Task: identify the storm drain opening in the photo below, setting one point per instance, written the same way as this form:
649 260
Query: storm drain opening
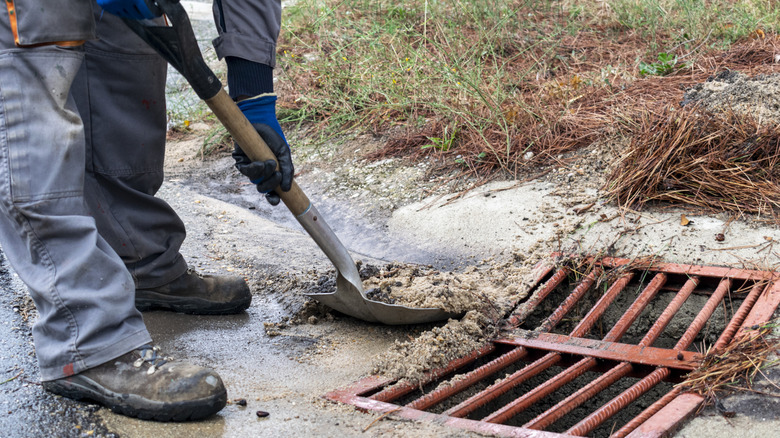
594 353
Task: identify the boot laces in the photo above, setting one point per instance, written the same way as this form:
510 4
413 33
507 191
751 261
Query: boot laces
191 271
150 355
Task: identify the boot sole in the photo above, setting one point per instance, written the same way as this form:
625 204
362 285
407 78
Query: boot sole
147 300
131 405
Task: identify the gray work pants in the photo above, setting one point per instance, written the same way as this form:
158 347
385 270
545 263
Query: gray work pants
82 290
82 137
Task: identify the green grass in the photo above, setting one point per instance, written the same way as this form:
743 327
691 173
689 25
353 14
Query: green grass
483 71
723 22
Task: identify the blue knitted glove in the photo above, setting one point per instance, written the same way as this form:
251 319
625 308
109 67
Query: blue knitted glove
134 9
261 112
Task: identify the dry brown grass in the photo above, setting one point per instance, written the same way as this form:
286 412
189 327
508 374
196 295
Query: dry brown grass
562 114
537 93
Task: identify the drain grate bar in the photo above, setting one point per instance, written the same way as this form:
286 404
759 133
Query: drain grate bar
601 305
635 391
640 354
498 364
500 388
403 388
739 317
523 311
639 305
571 300
623 369
605 412
647 413
693 270
764 308
657 418
671 309
524 402
571 402
704 315
669 417
602 414
534 345
460 423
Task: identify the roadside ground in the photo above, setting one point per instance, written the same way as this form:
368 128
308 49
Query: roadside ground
284 353
284 369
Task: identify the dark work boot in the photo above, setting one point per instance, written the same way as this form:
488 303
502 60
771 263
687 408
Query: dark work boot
145 385
197 294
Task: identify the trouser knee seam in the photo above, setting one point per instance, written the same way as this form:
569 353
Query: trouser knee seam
51 291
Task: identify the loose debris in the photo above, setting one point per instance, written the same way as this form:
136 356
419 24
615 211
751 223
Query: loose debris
735 92
437 347
454 292
694 158
485 295
734 368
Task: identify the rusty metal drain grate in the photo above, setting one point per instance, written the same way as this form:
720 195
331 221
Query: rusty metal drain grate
594 356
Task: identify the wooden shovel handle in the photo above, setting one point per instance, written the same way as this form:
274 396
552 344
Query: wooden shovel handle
245 135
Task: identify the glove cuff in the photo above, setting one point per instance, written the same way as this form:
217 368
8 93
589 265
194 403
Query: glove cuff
248 78
262 109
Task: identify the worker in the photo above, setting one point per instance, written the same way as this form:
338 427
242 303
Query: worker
82 138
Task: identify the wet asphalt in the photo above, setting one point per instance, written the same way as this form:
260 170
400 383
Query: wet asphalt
26 410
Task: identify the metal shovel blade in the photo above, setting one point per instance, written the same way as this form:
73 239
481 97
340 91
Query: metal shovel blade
176 43
349 297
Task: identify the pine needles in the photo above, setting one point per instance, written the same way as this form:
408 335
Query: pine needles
696 159
733 368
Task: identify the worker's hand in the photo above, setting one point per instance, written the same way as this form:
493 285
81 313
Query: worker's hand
134 9
261 112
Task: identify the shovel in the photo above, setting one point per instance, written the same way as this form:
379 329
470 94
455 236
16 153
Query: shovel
177 45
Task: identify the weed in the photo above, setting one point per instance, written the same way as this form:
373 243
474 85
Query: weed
217 139
725 20
443 143
667 64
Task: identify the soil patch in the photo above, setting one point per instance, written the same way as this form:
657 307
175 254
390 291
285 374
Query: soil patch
487 294
730 91
436 347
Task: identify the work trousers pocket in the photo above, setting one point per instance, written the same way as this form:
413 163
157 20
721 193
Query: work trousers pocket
43 135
